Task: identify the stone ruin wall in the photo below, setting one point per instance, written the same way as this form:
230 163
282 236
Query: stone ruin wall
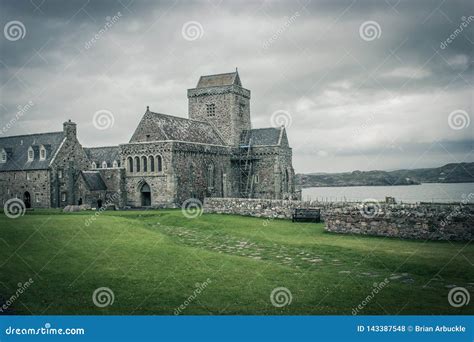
428 221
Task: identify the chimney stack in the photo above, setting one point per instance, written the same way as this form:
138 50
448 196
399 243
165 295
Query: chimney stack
69 129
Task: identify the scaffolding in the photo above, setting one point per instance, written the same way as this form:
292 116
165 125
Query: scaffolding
246 167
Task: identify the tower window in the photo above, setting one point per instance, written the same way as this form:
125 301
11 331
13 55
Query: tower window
4 156
211 109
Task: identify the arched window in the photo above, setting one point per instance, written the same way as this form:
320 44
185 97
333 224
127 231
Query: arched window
286 181
94 165
115 164
210 176
159 161
104 164
31 154
152 163
130 164
145 164
42 153
137 164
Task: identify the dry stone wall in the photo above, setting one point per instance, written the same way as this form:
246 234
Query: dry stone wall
427 221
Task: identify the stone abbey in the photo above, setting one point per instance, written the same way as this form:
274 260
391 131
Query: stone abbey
169 159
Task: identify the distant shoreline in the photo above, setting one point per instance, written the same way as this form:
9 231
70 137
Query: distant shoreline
378 185
453 173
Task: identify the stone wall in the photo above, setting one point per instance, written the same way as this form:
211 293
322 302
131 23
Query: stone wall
410 221
15 184
281 209
419 221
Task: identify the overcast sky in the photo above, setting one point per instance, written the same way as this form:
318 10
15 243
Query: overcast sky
360 84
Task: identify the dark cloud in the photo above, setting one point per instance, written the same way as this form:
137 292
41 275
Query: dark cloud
354 104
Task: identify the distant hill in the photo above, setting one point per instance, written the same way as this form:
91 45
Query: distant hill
449 173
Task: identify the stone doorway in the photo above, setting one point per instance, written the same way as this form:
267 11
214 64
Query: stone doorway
145 193
27 199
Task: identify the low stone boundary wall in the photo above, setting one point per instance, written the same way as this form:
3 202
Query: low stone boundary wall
282 209
411 221
421 221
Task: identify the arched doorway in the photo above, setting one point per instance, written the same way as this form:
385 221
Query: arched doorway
99 203
27 199
145 193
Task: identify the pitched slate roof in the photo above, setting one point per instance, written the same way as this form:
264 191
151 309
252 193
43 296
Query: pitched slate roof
17 150
101 154
261 136
219 80
162 127
93 180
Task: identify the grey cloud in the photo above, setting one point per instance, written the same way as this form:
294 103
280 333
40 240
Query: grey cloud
348 97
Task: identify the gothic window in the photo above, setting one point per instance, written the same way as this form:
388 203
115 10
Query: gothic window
210 176
286 181
130 164
4 156
115 164
104 164
94 165
137 164
145 164
152 163
42 153
211 109
160 163
60 174
31 154
63 197
257 179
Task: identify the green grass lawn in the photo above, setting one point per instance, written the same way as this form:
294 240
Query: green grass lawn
154 260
